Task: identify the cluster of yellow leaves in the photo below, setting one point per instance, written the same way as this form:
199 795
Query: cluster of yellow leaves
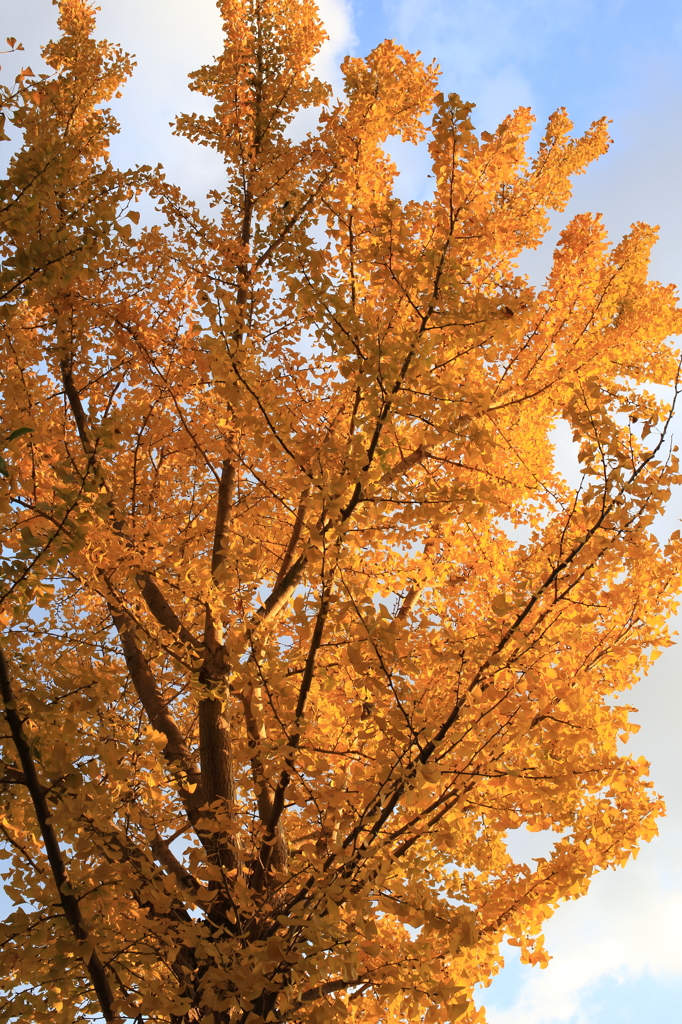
300 617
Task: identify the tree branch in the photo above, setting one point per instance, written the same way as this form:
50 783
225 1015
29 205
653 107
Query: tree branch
255 730
293 740
215 746
223 512
280 593
293 539
417 456
163 612
69 902
13 777
176 750
165 855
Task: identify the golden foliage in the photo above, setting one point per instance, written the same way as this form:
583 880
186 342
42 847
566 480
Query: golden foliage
300 616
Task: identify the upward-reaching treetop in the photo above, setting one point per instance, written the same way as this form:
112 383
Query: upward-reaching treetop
300 617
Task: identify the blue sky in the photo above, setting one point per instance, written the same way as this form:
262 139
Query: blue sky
617 954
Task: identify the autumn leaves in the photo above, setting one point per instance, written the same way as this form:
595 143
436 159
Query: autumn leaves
320 618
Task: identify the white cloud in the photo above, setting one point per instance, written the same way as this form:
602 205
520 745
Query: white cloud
338 22
169 39
336 17
627 927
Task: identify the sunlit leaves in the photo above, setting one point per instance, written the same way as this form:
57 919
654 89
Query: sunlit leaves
301 615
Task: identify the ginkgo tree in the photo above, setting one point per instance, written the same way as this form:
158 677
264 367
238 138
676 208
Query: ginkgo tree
300 617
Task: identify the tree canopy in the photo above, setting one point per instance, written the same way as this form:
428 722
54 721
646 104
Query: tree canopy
300 615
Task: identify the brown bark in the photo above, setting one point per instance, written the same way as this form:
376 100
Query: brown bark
147 690
215 750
